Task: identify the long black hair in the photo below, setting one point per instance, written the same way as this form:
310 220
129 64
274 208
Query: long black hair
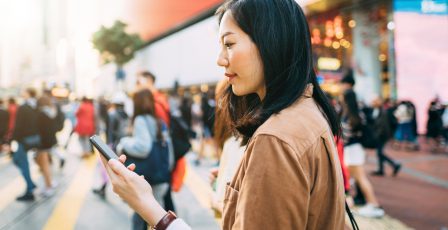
280 31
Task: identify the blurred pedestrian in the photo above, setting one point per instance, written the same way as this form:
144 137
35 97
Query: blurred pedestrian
354 154
404 135
85 125
146 129
48 127
4 123
208 119
435 125
117 118
382 133
25 137
12 111
116 128
290 169
147 80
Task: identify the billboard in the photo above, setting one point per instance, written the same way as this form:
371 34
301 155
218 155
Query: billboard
421 48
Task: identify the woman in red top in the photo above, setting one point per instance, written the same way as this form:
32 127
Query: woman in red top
85 126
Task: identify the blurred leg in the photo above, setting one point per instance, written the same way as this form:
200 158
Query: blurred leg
20 159
43 161
366 187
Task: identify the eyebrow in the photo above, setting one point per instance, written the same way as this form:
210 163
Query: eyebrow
225 34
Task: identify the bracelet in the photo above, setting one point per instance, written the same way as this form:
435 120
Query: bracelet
165 221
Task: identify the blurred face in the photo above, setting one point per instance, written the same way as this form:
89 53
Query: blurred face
143 83
240 58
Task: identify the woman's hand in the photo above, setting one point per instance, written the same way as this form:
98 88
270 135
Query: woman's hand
133 189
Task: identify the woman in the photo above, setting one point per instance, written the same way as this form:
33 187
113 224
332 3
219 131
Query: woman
354 154
289 177
47 131
145 129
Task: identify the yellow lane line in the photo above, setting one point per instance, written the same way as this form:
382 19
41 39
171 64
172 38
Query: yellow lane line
66 212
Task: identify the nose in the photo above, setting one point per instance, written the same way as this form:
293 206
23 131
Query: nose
222 60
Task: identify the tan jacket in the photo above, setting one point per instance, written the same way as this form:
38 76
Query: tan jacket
290 176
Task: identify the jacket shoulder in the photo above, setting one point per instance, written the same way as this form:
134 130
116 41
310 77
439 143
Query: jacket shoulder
299 125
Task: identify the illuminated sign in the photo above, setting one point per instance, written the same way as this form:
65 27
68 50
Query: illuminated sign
326 63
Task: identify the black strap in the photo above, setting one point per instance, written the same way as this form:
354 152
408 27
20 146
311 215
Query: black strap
350 216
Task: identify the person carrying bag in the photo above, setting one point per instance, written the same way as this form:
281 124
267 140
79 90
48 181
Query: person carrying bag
149 148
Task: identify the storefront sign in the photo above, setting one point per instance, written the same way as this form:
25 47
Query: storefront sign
326 63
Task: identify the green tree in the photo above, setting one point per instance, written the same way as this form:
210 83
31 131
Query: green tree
115 45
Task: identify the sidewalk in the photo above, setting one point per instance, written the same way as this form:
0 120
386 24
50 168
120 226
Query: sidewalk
418 196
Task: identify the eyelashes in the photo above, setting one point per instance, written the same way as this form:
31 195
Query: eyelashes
228 45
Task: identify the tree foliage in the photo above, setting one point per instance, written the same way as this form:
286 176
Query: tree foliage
115 45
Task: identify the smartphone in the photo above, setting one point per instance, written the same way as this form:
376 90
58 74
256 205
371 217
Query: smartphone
99 144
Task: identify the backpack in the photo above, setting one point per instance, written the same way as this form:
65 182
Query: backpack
155 167
180 136
368 138
59 120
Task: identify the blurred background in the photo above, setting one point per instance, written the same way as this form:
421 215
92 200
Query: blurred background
396 50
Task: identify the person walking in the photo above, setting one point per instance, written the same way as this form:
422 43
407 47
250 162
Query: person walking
147 80
47 127
85 125
434 125
146 129
382 133
354 154
290 176
25 137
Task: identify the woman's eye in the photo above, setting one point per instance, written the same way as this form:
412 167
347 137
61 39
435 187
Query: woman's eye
228 45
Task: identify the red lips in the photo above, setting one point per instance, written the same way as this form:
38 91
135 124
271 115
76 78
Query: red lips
230 76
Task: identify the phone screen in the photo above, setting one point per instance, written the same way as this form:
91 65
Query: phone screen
103 148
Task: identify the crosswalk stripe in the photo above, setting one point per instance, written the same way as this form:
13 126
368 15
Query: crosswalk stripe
66 212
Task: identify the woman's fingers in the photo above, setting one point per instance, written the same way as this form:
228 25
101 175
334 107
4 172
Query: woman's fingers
131 167
122 158
119 168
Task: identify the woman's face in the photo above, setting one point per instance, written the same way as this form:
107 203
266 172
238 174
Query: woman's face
240 58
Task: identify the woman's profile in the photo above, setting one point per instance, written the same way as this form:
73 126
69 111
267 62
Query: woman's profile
289 176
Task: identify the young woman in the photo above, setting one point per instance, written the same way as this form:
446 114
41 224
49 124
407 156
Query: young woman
290 176
145 129
354 154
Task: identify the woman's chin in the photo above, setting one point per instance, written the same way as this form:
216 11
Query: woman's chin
237 91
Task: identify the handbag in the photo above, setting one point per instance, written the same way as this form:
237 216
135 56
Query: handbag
155 167
32 141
